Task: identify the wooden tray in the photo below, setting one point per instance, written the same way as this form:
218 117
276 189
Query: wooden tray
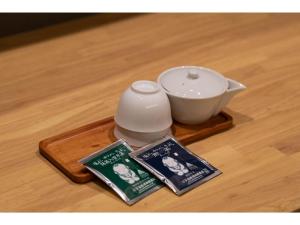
64 150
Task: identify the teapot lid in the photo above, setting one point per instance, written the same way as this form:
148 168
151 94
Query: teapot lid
193 82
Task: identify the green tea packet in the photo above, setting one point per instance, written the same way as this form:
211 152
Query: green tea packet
125 176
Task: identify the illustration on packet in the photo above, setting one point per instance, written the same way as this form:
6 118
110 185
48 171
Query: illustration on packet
173 164
125 176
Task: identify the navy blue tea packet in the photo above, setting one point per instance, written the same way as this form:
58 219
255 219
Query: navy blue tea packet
174 165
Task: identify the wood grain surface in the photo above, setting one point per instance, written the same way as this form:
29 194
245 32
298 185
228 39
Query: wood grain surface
64 82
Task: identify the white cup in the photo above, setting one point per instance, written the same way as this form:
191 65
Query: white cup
143 114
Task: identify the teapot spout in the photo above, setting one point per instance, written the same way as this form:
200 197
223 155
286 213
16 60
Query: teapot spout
234 87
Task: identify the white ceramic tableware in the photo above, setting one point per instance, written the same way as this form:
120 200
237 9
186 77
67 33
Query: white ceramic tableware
143 114
197 93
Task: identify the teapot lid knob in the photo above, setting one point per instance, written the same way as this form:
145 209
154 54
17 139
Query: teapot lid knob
193 74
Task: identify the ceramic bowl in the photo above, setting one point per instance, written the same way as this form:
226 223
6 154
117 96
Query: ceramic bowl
144 112
197 93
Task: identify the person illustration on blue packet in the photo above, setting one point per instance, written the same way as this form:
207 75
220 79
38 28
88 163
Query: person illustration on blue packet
174 166
125 173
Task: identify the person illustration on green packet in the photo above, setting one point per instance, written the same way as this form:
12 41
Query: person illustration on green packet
125 173
125 176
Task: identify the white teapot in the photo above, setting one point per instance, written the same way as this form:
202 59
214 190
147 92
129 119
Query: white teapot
196 93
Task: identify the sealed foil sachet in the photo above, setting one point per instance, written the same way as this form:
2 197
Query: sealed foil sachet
125 176
175 165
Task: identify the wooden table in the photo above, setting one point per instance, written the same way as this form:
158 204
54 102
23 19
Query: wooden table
57 84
